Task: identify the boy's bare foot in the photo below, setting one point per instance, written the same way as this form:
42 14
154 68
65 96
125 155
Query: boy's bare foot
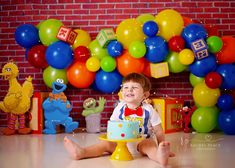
163 153
75 151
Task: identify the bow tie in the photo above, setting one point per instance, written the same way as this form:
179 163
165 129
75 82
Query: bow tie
138 111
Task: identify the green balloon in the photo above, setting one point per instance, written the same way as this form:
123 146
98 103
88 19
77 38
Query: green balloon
108 64
214 43
145 17
137 49
39 24
174 64
194 80
204 119
48 30
51 74
96 50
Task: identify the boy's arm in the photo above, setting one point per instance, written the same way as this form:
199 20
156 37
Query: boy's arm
116 112
159 133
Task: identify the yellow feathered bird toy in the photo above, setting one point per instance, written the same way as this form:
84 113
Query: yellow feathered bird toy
17 101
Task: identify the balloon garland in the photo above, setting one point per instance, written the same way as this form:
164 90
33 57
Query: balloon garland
167 37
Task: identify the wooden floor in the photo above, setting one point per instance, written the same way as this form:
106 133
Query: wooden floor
214 150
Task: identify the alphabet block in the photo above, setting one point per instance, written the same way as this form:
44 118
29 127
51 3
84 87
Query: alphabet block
105 36
200 49
67 35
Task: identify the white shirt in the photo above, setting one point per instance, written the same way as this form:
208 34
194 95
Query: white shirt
150 117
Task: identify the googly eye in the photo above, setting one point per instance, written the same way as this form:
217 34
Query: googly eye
8 69
60 80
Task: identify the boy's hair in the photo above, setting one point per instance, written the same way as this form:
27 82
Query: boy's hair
138 78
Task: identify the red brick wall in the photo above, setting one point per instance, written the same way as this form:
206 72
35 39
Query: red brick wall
92 15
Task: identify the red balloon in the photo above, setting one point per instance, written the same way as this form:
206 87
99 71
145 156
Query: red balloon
79 76
127 64
212 30
227 54
37 56
81 53
233 94
176 43
213 80
146 70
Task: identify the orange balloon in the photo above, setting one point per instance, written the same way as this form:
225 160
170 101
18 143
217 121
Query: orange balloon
79 76
226 54
127 64
187 20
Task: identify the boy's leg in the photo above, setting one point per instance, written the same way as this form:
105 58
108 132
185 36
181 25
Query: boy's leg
159 153
96 150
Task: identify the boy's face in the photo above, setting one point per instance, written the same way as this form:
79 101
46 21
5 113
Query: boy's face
133 92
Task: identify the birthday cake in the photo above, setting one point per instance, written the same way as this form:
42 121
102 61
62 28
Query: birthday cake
122 130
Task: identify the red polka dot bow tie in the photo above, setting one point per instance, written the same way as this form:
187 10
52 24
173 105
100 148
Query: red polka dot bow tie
138 111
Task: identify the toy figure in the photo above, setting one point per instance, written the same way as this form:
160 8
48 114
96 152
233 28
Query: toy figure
92 114
89 106
57 109
17 101
186 114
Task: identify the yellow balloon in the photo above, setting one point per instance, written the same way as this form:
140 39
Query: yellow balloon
186 57
93 64
205 96
170 23
83 38
129 30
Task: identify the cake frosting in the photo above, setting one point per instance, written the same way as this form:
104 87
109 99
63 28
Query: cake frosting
122 130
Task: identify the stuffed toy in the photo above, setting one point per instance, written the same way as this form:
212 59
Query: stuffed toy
17 101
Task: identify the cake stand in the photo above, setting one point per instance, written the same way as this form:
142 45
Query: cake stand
121 151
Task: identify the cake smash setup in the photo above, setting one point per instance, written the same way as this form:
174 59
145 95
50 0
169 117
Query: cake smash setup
122 132
152 45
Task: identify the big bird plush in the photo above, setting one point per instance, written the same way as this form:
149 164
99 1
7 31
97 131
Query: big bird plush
17 101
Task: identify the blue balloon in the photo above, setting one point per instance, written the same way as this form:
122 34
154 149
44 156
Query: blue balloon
93 86
227 71
227 122
108 82
26 53
202 67
115 48
59 55
150 28
26 35
157 49
193 32
225 102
